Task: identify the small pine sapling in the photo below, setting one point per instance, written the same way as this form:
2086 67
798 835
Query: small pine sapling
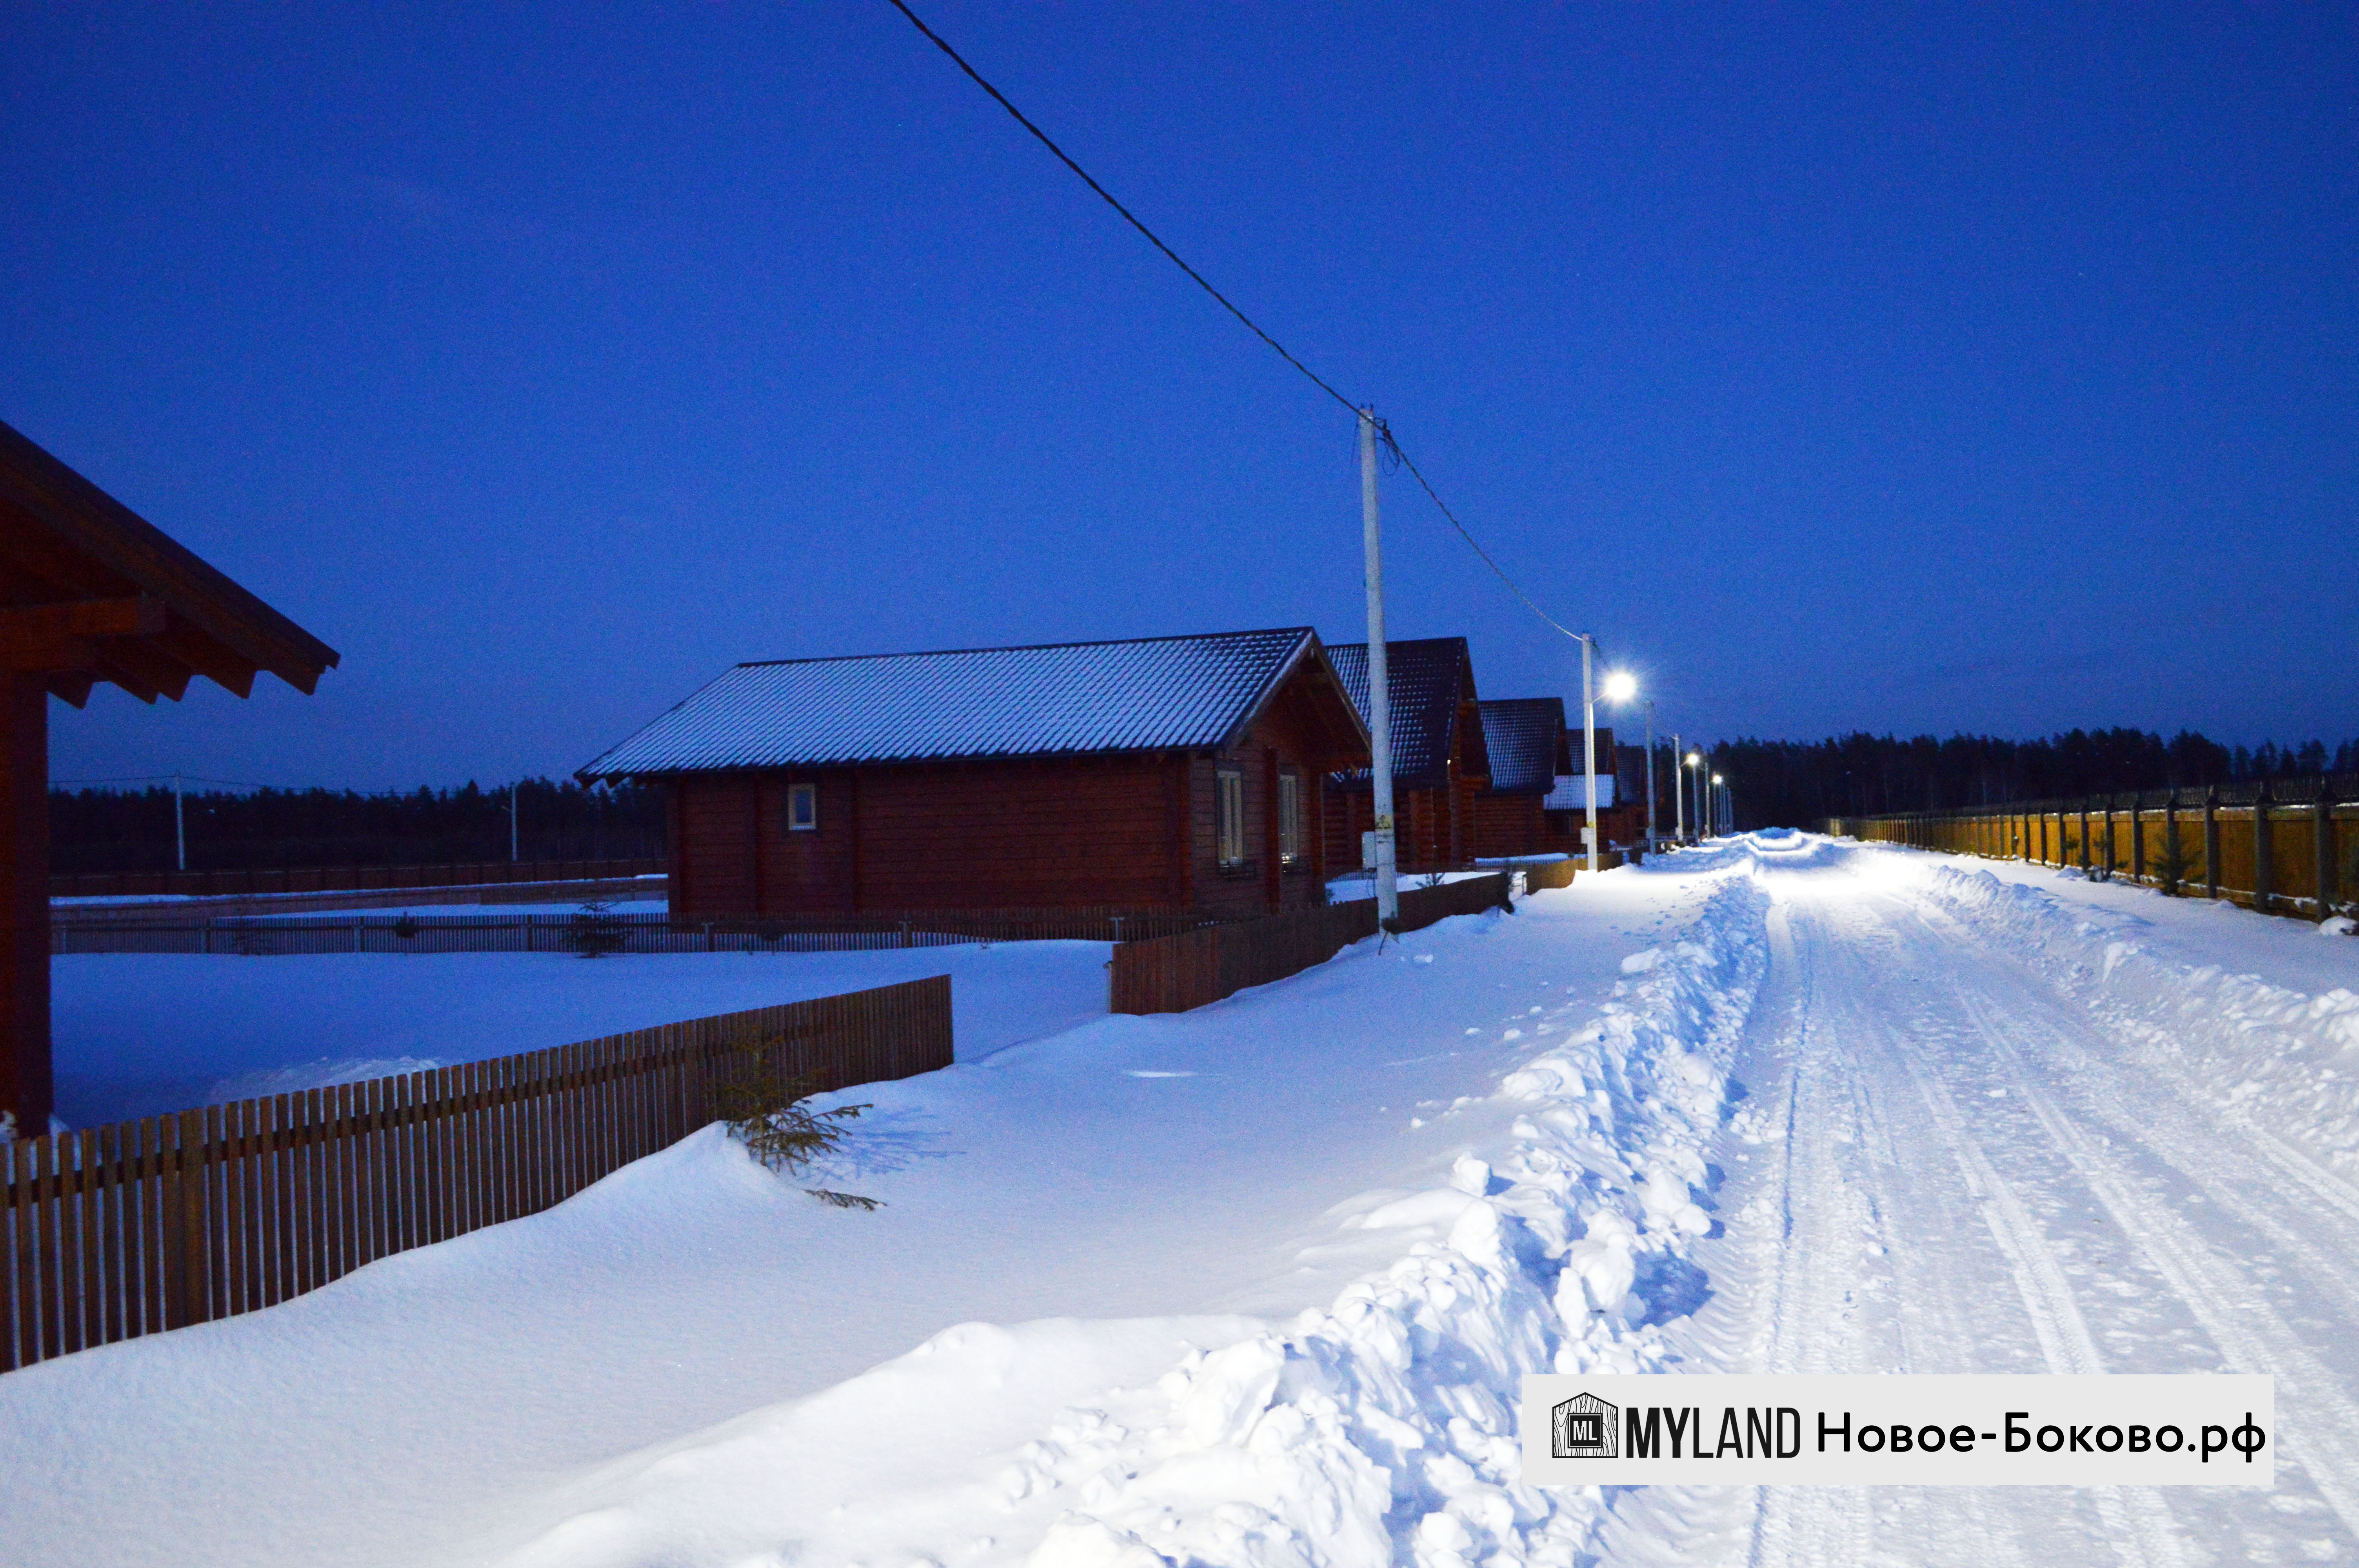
595 929
770 1116
2174 866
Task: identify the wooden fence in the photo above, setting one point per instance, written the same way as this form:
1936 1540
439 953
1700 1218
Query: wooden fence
340 878
2290 846
1540 875
1172 974
607 932
113 1232
192 912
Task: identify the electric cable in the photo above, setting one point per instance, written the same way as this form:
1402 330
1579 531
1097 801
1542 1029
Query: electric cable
1392 444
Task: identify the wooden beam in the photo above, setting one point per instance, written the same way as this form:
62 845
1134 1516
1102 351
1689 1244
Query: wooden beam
38 637
26 1085
48 508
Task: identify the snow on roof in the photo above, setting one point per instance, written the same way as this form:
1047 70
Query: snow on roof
1427 679
1144 695
1524 738
1571 792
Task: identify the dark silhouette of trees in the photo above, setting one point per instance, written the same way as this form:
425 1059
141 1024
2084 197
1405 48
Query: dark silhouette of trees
131 830
1797 782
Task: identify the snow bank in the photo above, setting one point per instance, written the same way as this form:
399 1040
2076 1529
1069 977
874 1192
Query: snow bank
1378 1431
1391 1417
2283 1061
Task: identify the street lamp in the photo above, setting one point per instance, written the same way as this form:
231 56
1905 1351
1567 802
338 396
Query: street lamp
1654 843
1695 766
1720 813
1621 687
1589 736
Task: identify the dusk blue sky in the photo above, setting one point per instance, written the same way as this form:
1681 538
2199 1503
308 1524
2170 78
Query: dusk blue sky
1898 368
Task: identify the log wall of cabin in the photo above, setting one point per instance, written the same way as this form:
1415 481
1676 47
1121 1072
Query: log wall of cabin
1137 831
1508 825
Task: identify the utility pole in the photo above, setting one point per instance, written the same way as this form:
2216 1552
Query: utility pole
180 828
1589 740
1380 695
512 824
1678 794
1650 775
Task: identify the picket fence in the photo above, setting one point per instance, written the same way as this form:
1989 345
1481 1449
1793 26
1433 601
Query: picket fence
1172 974
113 1232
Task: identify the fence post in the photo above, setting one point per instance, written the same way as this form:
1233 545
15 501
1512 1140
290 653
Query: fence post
2211 843
2264 871
2138 838
2171 844
2112 852
2084 836
2322 838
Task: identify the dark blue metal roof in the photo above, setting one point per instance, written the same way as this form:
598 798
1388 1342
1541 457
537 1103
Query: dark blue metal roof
1429 678
1524 737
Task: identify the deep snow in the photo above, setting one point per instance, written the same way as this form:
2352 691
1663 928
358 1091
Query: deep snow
1253 1285
140 1033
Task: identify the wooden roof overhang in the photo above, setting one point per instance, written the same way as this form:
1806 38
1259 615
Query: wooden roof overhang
92 592
1328 706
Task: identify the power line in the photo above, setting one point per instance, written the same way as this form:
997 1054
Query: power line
1392 444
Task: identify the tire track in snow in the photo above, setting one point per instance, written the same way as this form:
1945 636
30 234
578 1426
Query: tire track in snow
2138 1517
2248 1330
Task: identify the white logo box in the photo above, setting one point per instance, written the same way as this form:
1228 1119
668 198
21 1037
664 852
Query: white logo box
1966 1431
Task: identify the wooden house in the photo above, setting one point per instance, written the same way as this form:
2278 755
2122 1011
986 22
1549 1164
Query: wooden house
90 593
1168 773
1438 763
1528 747
1621 819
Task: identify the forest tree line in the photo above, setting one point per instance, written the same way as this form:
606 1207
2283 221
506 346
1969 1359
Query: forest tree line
228 829
1797 782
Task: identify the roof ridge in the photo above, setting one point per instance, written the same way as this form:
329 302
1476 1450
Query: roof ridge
1032 648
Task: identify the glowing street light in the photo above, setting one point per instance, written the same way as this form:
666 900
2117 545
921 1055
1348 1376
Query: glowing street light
1695 765
1620 685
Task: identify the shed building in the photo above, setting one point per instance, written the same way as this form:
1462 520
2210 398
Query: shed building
1166 773
91 593
1439 762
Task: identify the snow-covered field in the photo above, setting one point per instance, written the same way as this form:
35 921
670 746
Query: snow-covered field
1254 1284
138 1034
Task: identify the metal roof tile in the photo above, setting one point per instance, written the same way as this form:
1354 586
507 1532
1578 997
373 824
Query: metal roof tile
1143 695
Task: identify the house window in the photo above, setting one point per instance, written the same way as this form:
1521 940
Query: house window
1289 819
1231 825
802 807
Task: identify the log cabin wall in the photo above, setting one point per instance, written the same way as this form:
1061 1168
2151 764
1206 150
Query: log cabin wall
1509 825
1135 831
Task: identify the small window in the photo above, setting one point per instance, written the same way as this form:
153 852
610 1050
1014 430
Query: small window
1232 822
802 807
1289 818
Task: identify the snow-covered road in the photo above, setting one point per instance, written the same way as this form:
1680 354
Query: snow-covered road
1945 1162
1255 1285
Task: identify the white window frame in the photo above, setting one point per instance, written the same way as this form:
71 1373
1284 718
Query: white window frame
1229 815
1289 818
802 808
